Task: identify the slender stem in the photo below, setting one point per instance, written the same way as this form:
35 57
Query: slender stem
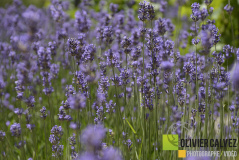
207 109
156 113
185 105
196 101
151 50
221 119
143 53
125 83
51 110
118 109
23 154
45 137
144 119
233 40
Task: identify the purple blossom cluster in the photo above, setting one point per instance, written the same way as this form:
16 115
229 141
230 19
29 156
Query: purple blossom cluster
55 137
92 138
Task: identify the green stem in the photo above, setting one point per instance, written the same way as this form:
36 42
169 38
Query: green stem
233 40
221 120
45 138
207 109
23 154
143 55
196 100
117 106
185 105
125 84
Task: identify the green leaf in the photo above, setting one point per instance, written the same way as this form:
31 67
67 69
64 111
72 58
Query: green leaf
140 150
136 153
130 126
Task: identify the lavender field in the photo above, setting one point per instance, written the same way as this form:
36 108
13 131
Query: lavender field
108 83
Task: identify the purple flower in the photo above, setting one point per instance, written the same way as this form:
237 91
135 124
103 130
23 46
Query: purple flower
166 65
111 153
72 140
66 105
57 150
31 126
30 101
92 137
160 26
82 22
228 50
53 47
235 77
195 41
2 84
72 46
57 130
228 8
142 12
163 6
32 18
53 139
56 10
108 34
150 12
81 82
196 15
62 113
74 126
77 101
69 90
43 112
124 76
195 7
48 90
126 43
237 54
208 2
204 14
16 129
68 118
89 53
211 10
55 69
2 135
88 156
18 111
114 8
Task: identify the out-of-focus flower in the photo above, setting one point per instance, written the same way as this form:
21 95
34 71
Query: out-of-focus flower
43 112
77 101
2 135
235 77
92 137
228 8
16 129
166 65
111 153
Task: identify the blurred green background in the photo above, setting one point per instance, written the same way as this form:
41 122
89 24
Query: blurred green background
221 17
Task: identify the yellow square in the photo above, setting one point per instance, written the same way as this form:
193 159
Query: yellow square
181 153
